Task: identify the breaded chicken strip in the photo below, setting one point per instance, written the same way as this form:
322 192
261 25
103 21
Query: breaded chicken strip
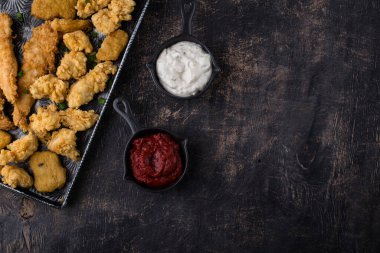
63 142
39 59
45 120
16 177
5 139
88 7
108 20
8 62
78 120
49 9
73 65
49 86
5 123
84 89
112 46
24 147
78 41
70 25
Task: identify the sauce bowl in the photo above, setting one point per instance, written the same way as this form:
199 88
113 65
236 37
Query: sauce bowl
123 108
187 11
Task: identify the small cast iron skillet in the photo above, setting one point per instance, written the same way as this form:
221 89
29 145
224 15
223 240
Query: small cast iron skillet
187 11
122 107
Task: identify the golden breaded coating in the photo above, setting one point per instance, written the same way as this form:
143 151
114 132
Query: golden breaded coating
84 89
5 123
70 25
49 9
16 177
73 65
6 157
45 120
24 147
112 46
78 120
78 41
49 174
105 22
63 142
122 8
5 139
38 59
8 62
88 7
49 86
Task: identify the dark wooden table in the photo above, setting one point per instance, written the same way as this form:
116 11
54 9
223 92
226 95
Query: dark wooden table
285 146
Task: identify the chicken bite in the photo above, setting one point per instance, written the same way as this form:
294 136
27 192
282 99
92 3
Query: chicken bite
112 46
73 65
45 120
105 22
63 142
5 123
49 9
6 157
24 147
70 25
88 7
16 177
5 139
84 89
122 9
78 120
49 174
49 86
78 41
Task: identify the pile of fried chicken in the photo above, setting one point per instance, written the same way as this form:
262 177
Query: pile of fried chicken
71 84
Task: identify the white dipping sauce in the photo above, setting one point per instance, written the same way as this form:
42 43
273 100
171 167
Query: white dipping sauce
184 69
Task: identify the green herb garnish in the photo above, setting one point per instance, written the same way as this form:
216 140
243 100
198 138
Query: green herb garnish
62 106
91 60
25 91
20 16
102 101
20 74
86 1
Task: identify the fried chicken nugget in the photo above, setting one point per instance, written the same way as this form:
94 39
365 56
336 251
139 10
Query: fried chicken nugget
8 62
88 7
70 25
112 46
78 120
6 157
63 142
5 139
49 86
49 174
45 120
84 89
49 9
5 123
108 20
16 177
73 65
78 41
39 59
24 147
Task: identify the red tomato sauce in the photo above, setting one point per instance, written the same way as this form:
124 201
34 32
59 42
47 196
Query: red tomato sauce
156 160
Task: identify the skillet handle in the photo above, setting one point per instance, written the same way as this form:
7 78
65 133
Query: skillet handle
187 11
123 108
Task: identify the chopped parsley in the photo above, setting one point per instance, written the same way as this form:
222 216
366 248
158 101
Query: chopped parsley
25 91
102 101
86 1
91 60
62 106
20 16
20 74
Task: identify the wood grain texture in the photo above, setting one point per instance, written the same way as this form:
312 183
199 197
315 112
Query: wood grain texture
285 146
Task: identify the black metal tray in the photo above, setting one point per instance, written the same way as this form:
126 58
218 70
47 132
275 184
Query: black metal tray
22 26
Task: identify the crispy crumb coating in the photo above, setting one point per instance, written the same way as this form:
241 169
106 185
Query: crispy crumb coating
78 41
70 25
16 177
45 120
49 86
49 9
88 7
73 65
63 142
5 139
78 120
112 46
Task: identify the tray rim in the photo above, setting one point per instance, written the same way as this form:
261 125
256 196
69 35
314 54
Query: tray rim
67 194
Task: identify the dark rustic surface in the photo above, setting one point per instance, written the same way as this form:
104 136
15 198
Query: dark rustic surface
285 146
